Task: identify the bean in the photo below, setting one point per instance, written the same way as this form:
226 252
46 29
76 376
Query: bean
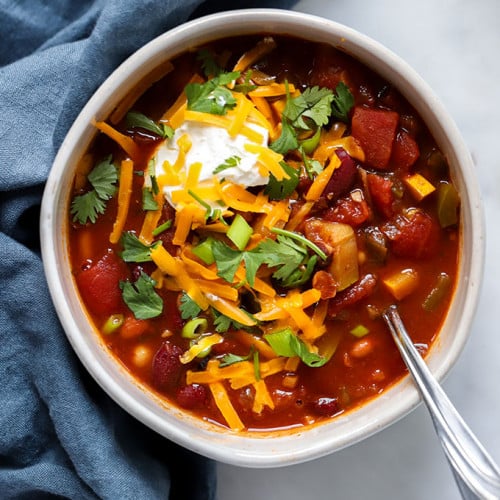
142 356
362 348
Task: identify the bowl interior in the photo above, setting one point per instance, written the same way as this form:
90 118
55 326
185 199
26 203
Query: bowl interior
256 449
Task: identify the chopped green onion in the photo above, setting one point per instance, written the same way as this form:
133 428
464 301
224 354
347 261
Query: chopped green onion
112 324
204 251
360 331
162 227
193 328
239 232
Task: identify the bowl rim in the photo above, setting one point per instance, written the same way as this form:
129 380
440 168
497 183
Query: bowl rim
308 443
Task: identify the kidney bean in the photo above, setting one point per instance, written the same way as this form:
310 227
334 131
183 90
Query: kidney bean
361 348
167 366
325 406
192 396
350 296
342 178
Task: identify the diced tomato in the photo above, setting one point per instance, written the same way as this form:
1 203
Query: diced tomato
405 151
99 285
415 236
381 194
348 211
375 129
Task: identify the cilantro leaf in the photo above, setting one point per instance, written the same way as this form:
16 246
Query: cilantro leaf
232 161
286 343
227 260
188 308
141 297
283 255
246 86
308 111
88 206
138 120
313 167
231 359
133 248
103 178
288 254
287 140
208 63
314 103
342 102
223 323
279 190
148 199
212 96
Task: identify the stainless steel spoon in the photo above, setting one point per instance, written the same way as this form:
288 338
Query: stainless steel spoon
476 474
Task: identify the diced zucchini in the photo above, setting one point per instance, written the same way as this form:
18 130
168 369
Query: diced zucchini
401 283
419 186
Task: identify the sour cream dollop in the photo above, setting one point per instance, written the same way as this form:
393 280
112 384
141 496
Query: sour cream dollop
212 146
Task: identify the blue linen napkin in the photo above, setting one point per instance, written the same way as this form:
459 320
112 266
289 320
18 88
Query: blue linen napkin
60 435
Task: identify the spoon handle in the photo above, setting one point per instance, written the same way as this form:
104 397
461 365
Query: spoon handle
477 475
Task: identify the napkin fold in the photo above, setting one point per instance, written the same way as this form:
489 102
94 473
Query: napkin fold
60 434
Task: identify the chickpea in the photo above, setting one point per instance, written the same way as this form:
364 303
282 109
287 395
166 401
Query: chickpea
142 356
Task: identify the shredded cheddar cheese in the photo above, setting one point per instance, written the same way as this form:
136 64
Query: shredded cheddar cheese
124 193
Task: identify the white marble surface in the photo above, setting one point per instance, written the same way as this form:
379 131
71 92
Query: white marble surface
454 45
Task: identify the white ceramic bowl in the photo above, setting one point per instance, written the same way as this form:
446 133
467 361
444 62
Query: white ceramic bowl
260 450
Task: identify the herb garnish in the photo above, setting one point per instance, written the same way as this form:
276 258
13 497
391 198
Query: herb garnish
279 190
138 120
102 178
231 162
309 111
288 254
212 96
223 323
342 102
141 298
134 250
208 63
188 308
286 343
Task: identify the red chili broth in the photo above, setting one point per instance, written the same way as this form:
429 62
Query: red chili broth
348 380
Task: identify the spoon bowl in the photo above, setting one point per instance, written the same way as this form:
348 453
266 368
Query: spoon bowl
476 473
